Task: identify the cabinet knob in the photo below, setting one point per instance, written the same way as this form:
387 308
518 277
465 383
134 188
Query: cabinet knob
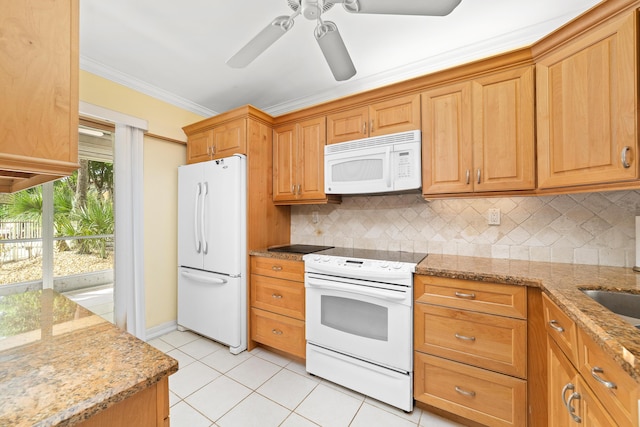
276 296
468 176
364 128
478 175
276 268
276 331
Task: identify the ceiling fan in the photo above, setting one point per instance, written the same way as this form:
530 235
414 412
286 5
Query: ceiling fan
326 32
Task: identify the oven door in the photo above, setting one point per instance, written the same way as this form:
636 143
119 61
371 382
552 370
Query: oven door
368 320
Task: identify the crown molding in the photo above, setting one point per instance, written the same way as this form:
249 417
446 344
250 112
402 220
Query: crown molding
99 69
506 42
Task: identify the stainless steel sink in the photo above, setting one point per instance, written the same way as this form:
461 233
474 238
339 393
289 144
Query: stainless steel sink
624 304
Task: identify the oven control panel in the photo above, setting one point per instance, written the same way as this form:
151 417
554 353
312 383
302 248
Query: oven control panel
333 263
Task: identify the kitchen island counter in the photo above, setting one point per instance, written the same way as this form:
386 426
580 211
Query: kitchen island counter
60 364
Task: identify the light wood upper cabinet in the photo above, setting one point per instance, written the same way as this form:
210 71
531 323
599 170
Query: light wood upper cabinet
503 131
298 158
381 118
39 81
223 140
478 135
587 107
447 156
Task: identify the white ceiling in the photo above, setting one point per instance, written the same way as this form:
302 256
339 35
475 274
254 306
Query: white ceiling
176 50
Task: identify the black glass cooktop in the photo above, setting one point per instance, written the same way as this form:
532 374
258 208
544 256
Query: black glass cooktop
299 249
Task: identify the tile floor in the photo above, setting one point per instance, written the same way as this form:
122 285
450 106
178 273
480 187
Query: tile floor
260 388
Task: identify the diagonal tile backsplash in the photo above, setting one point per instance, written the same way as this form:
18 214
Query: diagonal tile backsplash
587 228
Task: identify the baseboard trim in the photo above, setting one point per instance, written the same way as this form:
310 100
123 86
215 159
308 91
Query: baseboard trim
162 329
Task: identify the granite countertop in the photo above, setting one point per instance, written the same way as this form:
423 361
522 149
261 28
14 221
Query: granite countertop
61 364
561 282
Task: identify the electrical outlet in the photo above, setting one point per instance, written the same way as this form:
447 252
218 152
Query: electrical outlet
314 217
493 216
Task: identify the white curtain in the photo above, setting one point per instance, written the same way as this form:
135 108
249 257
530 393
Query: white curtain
128 235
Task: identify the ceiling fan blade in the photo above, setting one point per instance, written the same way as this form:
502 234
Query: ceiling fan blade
401 7
334 50
265 38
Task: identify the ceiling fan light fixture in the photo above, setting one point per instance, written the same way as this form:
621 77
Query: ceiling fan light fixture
404 7
265 38
334 51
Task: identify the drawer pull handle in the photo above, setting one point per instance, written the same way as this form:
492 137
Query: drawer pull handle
567 403
624 157
555 326
465 392
465 338
597 370
276 296
463 295
276 331
276 268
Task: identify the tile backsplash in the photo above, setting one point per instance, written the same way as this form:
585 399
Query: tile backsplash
587 228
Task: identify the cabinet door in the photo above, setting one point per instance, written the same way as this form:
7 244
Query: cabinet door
593 412
446 140
395 115
230 138
199 147
347 125
503 131
39 81
284 163
310 161
587 102
562 376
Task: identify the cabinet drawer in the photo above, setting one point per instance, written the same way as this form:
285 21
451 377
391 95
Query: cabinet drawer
491 298
277 331
486 397
278 268
561 328
281 296
483 340
621 396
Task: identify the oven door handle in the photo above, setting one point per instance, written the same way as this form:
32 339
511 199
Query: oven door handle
360 290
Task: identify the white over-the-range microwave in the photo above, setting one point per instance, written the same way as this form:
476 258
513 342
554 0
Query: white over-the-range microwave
381 164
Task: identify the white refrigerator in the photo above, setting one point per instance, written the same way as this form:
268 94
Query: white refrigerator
212 236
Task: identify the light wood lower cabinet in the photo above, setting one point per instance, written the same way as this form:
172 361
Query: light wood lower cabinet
480 395
277 304
571 402
470 342
585 386
147 408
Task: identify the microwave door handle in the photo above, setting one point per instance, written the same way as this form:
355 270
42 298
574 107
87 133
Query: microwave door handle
388 169
360 290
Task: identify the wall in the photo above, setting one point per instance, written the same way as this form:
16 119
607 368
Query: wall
588 228
161 159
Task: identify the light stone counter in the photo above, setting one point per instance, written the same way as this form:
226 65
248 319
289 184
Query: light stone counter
61 364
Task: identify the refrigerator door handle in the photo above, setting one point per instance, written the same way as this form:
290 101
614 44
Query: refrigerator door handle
195 219
203 279
203 222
